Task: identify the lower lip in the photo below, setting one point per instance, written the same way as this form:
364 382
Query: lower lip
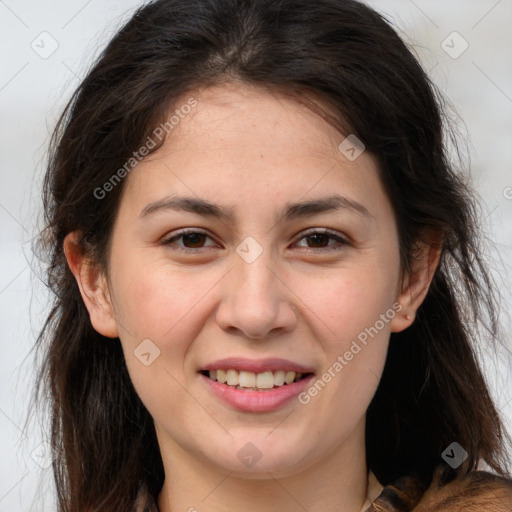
256 401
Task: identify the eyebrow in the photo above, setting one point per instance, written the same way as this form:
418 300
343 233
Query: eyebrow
291 211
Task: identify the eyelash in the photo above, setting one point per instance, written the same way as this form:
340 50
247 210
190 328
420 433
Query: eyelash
333 235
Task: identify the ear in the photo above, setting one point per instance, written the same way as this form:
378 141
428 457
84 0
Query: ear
416 283
93 286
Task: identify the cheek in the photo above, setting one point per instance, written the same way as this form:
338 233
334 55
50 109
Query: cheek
162 310
166 308
348 300
352 310
158 302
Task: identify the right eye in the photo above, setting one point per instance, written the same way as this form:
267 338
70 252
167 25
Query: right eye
192 239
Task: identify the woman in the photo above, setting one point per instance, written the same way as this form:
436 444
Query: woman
267 276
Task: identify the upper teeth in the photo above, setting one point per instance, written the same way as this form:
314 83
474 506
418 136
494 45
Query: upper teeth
243 379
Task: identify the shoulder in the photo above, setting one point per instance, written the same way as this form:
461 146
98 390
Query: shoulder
477 491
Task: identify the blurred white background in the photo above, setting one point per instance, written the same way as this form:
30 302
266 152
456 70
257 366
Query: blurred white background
34 86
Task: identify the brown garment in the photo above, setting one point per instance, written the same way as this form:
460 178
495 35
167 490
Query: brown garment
479 491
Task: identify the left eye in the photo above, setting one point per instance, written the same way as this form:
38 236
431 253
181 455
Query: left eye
196 240
319 238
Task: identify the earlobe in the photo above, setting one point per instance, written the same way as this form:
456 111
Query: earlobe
416 284
93 286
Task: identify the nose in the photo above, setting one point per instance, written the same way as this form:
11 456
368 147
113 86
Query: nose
256 301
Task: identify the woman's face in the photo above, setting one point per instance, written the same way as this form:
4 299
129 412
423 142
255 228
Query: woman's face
253 290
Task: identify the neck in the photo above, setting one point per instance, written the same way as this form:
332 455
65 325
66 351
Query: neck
336 482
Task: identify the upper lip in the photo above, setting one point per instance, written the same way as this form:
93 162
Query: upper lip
257 365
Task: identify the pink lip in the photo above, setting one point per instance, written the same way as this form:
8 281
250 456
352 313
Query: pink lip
257 365
256 401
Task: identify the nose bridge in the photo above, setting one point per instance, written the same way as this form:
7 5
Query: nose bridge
256 279
253 261
255 287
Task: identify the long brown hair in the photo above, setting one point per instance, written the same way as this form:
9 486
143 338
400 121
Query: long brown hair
432 391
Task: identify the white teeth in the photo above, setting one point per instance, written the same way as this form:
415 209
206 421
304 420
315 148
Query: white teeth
221 376
289 377
252 381
232 378
279 378
247 379
265 380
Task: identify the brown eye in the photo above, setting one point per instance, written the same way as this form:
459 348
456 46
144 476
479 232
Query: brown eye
317 239
190 240
194 239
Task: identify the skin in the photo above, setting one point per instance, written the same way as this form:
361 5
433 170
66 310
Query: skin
254 151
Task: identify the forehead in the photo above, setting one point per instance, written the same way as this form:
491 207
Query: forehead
252 117
245 142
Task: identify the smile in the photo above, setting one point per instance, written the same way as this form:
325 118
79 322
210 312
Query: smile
254 386
250 381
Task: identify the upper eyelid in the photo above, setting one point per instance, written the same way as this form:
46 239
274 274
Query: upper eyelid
187 231
342 238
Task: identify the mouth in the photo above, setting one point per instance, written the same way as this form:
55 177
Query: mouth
250 381
255 386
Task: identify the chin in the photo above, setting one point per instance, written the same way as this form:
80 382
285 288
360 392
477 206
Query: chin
254 457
